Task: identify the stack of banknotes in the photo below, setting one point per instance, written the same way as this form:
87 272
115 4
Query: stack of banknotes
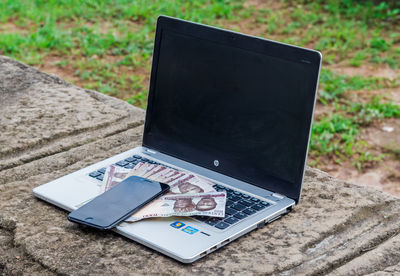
189 194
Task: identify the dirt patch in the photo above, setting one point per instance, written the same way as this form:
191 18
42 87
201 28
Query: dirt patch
382 137
322 110
384 176
250 25
394 95
384 134
55 64
12 28
365 95
259 4
103 27
52 64
366 70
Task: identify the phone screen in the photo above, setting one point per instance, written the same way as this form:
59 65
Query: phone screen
118 203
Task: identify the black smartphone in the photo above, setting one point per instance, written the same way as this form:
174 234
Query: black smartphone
118 203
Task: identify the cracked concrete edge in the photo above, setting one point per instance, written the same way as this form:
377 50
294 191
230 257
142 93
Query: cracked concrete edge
34 80
65 161
351 244
381 259
63 144
15 260
47 78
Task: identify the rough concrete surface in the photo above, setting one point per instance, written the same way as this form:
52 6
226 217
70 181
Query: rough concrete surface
49 128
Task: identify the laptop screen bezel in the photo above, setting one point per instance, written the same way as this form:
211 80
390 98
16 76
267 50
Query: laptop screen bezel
294 53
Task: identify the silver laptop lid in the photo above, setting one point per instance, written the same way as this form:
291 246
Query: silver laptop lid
239 105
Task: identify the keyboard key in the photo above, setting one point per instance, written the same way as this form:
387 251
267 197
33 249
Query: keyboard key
145 160
265 203
231 220
246 202
237 193
130 166
258 207
215 219
240 215
230 211
202 218
102 170
100 177
228 190
121 163
255 199
222 225
229 202
211 222
234 198
137 157
238 207
249 211
245 196
130 159
94 174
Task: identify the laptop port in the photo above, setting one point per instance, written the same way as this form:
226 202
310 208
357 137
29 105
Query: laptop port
225 242
203 254
213 248
275 218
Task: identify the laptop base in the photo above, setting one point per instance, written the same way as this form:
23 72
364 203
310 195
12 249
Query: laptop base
163 234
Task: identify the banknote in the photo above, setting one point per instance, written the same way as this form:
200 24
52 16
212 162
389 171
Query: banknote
153 172
113 176
200 204
181 184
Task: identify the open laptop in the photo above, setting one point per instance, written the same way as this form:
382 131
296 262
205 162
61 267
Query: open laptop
232 108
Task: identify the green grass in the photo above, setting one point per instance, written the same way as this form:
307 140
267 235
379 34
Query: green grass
333 134
75 29
45 18
368 12
338 28
337 135
365 113
335 85
107 46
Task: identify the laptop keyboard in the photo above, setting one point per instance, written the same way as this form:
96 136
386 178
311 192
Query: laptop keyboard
127 163
238 205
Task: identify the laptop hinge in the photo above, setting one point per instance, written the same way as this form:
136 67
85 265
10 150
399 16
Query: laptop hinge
278 195
150 151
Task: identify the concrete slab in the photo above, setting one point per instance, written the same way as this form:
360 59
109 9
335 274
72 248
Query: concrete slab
49 128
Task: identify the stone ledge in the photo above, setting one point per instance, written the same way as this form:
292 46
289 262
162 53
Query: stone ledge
49 128
43 115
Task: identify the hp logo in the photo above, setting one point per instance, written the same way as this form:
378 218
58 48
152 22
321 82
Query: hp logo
216 163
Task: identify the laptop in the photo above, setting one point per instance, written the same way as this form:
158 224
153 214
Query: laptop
232 108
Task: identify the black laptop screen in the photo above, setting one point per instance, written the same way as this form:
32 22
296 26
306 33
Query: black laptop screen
248 110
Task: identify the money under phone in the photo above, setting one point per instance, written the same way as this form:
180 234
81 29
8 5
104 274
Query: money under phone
115 205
